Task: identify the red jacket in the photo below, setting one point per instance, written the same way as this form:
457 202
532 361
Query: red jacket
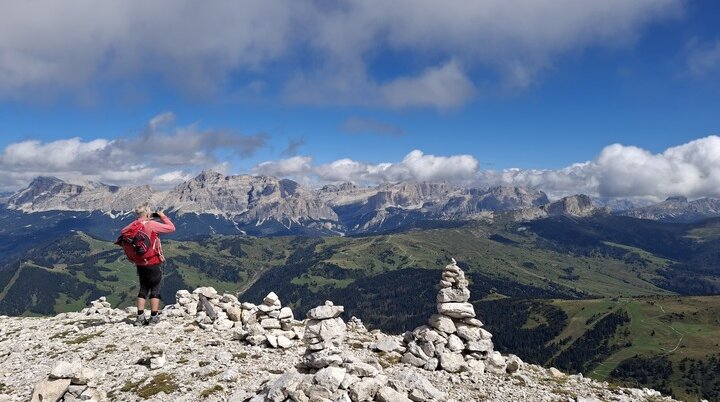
154 226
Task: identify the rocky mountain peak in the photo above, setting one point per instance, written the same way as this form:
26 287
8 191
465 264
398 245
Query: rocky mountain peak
678 209
574 205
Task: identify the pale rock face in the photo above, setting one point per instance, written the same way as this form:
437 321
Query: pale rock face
249 198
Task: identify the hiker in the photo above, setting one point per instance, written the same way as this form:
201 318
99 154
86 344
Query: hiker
142 246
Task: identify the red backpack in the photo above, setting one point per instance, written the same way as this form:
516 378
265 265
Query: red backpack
141 247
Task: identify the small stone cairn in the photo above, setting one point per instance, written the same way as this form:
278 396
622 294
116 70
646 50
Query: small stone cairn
454 339
268 324
99 306
331 374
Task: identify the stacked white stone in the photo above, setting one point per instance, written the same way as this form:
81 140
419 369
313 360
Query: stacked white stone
454 340
334 378
324 334
267 324
99 306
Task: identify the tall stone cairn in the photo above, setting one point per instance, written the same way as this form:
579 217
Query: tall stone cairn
454 339
324 335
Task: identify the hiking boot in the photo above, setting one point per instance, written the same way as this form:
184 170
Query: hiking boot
154 319
140 320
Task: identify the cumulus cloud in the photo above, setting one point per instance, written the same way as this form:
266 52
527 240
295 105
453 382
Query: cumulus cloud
78 46
162 154
415 166
691 170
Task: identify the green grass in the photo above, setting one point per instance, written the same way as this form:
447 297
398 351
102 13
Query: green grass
670 326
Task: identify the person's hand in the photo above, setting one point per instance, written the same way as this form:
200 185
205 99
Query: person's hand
161 213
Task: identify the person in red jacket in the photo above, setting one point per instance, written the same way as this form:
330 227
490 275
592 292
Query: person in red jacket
149 270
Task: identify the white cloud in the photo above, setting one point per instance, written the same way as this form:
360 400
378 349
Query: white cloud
162 154
442 87
691 170
80 46
416 166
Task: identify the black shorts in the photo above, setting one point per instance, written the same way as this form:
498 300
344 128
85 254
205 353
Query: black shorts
150 277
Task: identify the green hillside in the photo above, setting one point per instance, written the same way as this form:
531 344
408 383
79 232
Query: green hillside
669 343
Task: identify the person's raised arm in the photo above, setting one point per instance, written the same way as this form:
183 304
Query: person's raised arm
165 227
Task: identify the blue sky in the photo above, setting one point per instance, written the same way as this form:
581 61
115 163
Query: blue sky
323 92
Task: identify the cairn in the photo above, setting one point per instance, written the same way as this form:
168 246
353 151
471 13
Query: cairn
268 324
454 340
328 372
99 306
324 335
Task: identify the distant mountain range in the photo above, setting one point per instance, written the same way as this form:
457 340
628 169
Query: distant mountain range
266 205
678 209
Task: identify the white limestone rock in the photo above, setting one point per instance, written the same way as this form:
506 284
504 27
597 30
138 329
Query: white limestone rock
330 377
325 312
387 394
442 323
50 390
456 310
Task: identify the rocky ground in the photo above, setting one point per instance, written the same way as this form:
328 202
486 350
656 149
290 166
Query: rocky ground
216 348
207 364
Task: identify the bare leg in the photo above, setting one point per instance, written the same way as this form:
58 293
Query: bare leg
141 304
154 304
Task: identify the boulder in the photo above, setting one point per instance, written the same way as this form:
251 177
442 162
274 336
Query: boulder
208 292
387 394
65 369
362 369
411 359
330 377
284 342
271 299
234 313
456 310
386 344
452 362
325 312
270 323
459 295
455 344
365 389
285 314
419 387
495 363
50 390
513 364
442 323
85 375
